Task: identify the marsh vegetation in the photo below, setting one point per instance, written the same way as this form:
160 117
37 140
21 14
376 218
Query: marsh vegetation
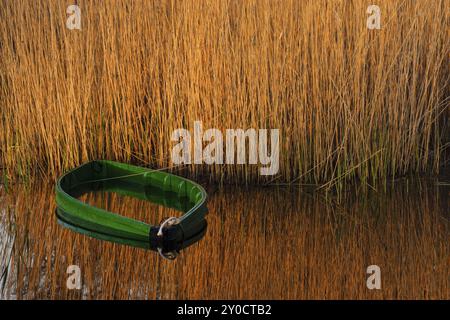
351 103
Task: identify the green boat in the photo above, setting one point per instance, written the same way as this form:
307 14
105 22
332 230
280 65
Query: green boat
156 186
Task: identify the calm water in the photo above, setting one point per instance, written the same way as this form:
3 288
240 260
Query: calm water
281 243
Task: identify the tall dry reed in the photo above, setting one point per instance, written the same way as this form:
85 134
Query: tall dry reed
351 103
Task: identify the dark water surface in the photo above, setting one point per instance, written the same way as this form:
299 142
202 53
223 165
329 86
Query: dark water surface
281 243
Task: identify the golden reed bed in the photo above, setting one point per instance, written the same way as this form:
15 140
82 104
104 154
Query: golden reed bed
350 103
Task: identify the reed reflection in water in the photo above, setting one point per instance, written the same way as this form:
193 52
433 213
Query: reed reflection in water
260 243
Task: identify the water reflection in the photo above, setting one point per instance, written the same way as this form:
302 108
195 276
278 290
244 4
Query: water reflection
261 243
150 193
165 252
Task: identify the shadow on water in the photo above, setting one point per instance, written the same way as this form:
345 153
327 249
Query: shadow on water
261 243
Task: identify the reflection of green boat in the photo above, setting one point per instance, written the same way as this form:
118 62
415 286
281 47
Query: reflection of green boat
134 243
152 185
